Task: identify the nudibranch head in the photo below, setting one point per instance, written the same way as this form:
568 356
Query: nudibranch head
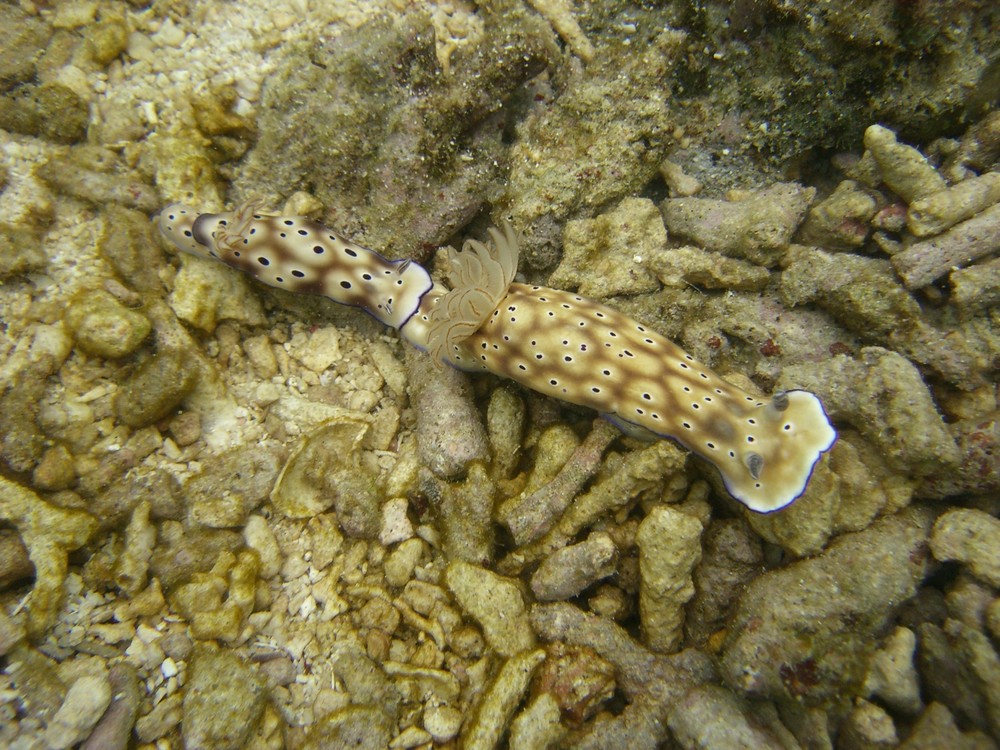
777 446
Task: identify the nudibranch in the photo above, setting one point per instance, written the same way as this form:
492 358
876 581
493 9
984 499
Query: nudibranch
552 341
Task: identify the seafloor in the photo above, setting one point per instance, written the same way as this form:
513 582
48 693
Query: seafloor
232 517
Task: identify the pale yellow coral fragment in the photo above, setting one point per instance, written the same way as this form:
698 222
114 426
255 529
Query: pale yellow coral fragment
50 533
559 13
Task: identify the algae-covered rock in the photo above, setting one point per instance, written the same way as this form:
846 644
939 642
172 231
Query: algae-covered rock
23 37
401 153
788 638
155 388
581 152
127 243
50 111
223 701
20 250
103 327
607 255
23 380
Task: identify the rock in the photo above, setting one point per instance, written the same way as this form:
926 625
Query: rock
669 544
103 327
840 220
49 533
971 537
682 267
867 727
570 570
731 558
576 155
450 431
325 469
206 293
155 388
442 722
231 485
223 701
259 537
51 111
579 679
495 602
939 211
885 398
23 36
712 717
903 168
865 296
538 726
356 727
860 576
404 159
923 262
960 668
936 729
757 229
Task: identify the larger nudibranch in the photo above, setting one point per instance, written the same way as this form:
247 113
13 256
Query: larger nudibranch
554 342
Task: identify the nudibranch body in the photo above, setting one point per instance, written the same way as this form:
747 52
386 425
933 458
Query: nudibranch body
552 341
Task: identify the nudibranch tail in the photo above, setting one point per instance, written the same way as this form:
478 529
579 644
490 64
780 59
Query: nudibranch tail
554 342
300 255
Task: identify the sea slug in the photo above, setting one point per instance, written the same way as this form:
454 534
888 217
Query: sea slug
552 341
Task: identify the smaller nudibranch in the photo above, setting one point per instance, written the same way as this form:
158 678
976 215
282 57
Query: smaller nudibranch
551 341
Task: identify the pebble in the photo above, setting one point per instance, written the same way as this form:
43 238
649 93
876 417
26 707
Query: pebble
442 722
400 563
114 729
396 524
84 704
258 536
